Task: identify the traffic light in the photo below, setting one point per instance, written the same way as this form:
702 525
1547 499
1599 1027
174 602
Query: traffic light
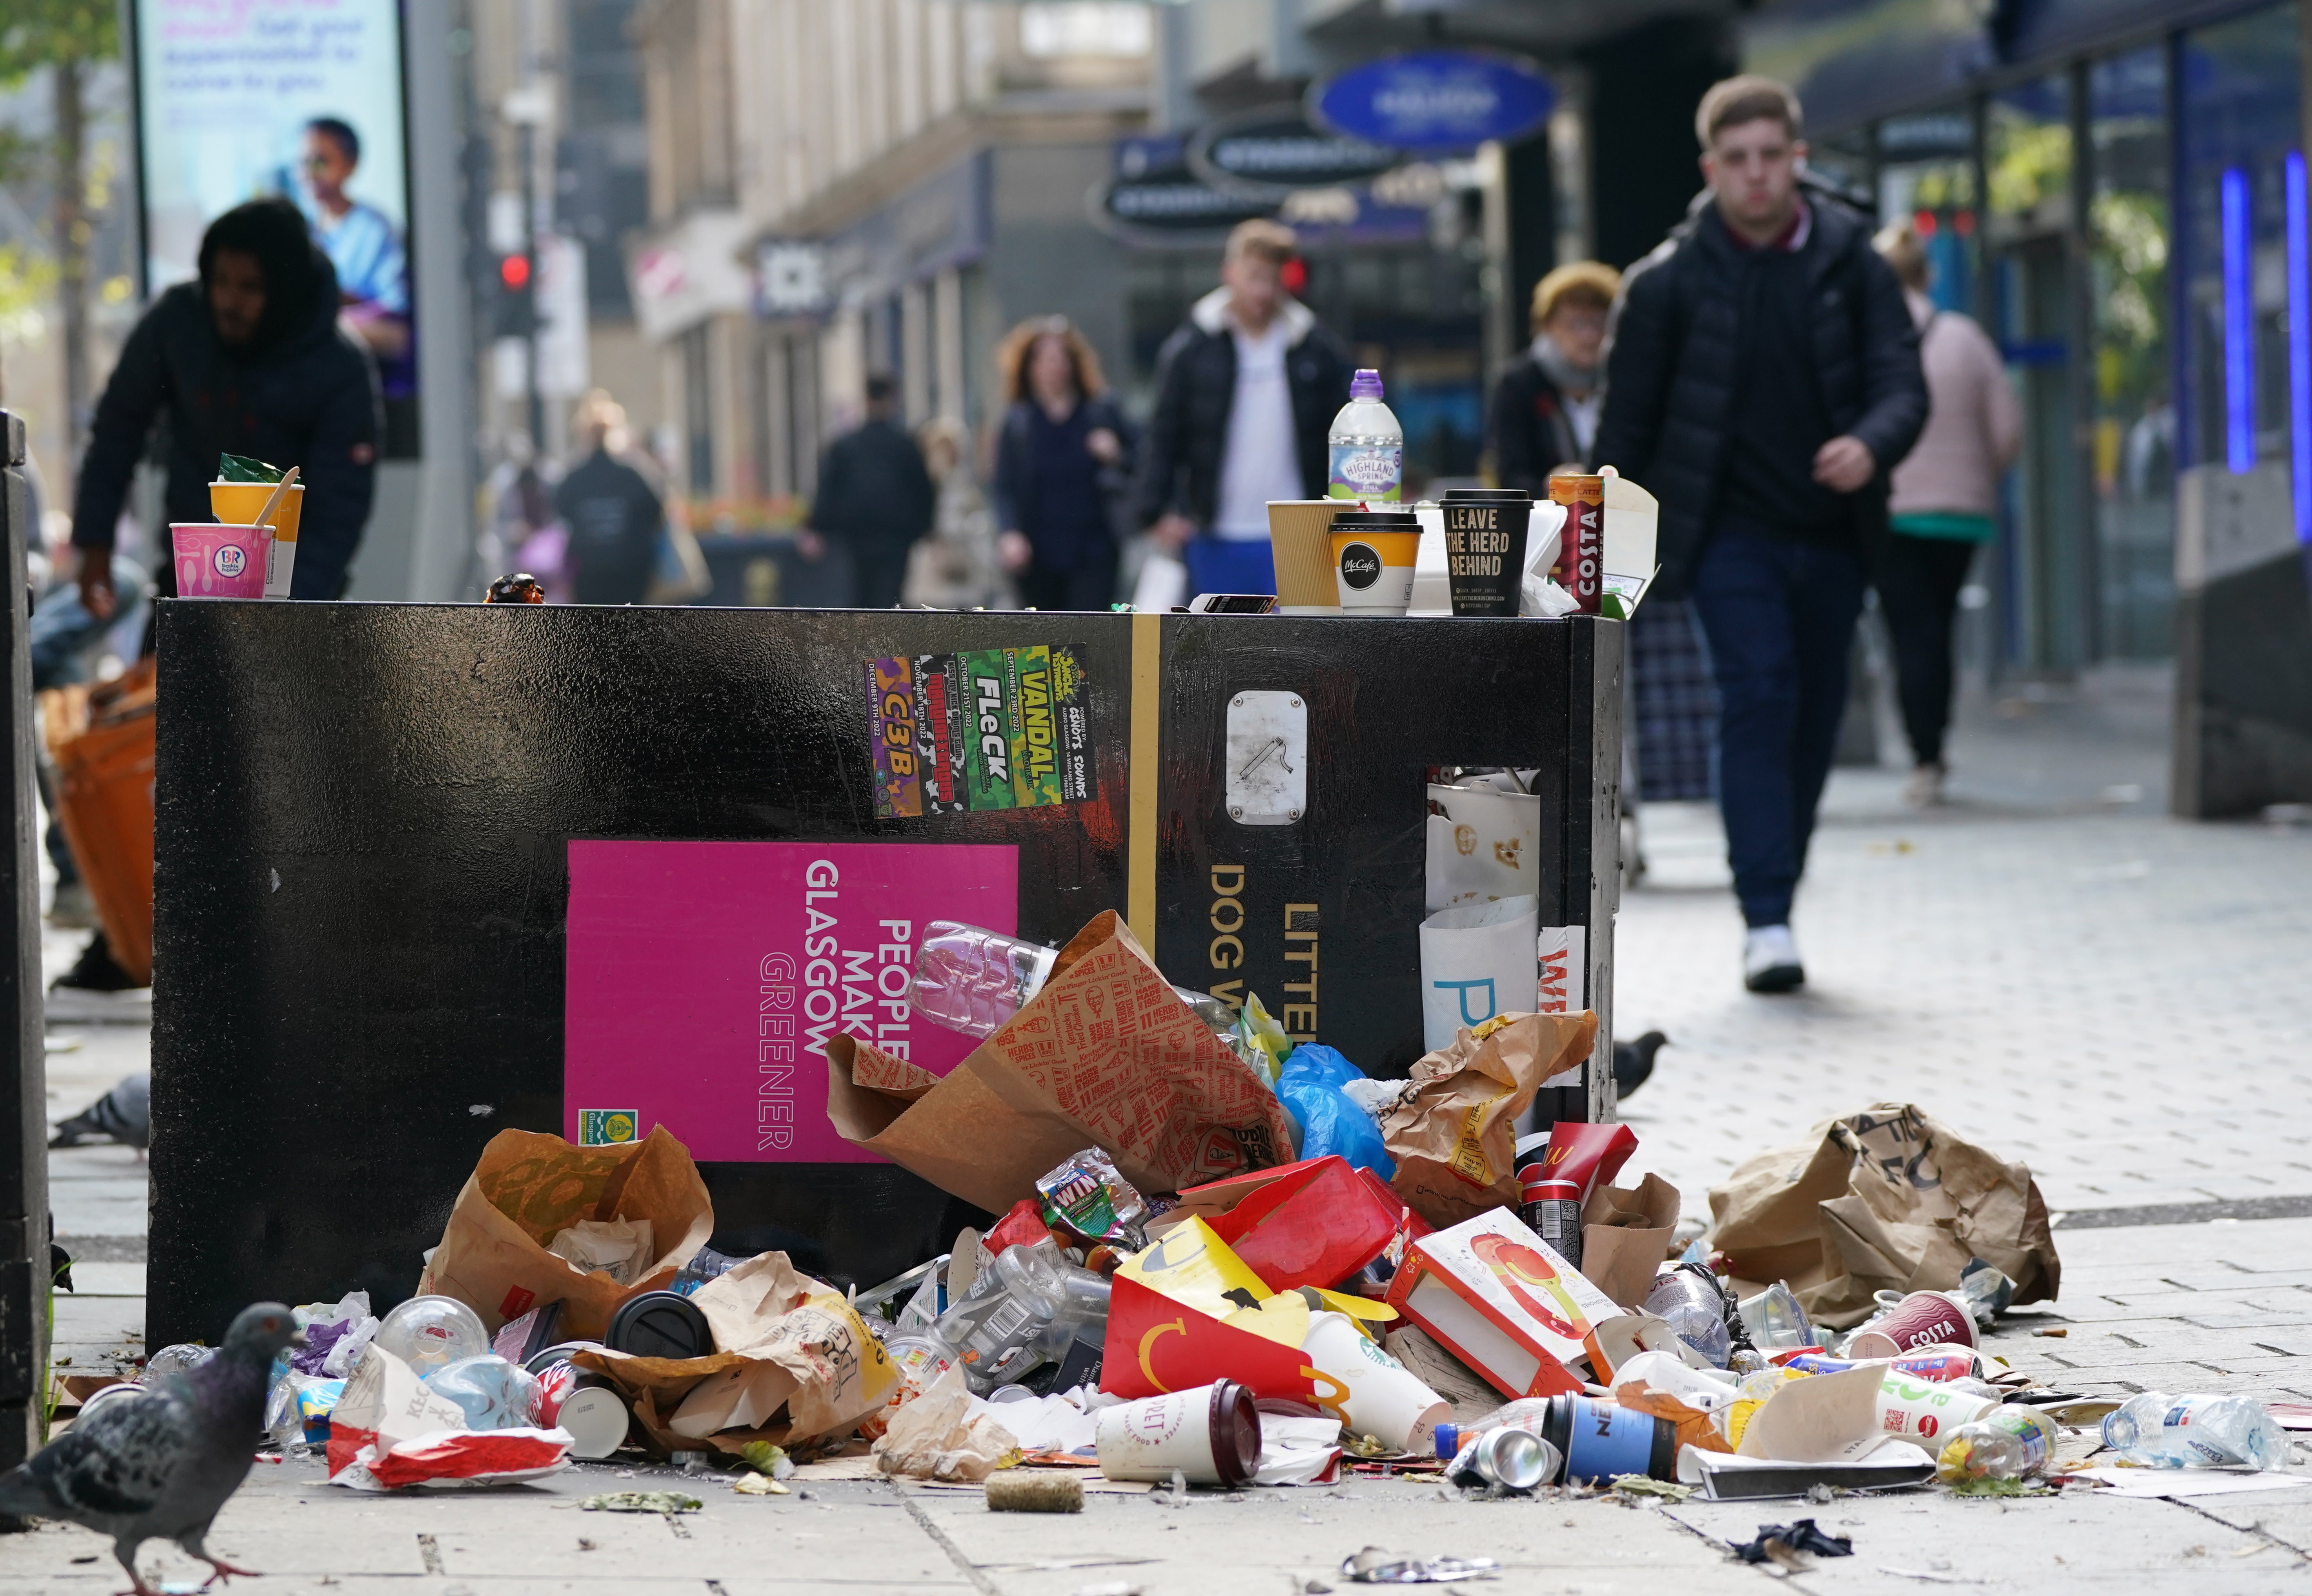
517 301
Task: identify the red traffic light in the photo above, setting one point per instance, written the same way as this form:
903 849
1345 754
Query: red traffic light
513 271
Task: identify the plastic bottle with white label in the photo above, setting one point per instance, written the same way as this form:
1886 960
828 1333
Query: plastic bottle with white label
1366 448
2195 1431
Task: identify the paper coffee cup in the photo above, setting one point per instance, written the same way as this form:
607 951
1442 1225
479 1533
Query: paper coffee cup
1478 961
1211 1434
1300 545
1485 549
1373 554
217 562
596 1417
240 503
1924 1413
1922 1319
1379 1396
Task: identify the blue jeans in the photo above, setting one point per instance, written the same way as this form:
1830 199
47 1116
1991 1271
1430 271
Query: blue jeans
1230 565
1780 619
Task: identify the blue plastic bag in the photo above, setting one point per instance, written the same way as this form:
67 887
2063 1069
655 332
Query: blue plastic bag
1310 1090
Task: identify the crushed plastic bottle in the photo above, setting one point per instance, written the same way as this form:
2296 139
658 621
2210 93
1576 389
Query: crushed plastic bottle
972 979
175 1358
1525 1413
2195 1431
1985 1292
2009 1442
1689 1300
991 1329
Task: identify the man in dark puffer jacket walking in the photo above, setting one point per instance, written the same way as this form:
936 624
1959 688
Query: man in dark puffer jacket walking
1763 381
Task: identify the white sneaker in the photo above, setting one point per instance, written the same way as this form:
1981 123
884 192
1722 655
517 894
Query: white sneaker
1770 961
1923 788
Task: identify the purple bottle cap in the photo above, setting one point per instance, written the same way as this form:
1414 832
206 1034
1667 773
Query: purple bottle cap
1366 385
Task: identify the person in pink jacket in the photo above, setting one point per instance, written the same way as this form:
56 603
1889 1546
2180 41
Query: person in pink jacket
1945 497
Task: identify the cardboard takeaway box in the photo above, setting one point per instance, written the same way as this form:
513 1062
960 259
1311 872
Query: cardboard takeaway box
1502 1303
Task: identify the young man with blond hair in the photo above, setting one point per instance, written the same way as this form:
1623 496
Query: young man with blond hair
1245 392
1763 381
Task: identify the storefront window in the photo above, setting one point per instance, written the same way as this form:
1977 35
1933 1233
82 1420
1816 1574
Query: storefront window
2027 159
2134 430
1926 176
2239 96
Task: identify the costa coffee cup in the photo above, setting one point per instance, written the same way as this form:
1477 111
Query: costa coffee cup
1373 553
1485 549
1379 1396
1211 1434
1581 544
1922 1319
217 562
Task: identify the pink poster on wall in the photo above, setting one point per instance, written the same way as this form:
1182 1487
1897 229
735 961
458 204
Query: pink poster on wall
704 978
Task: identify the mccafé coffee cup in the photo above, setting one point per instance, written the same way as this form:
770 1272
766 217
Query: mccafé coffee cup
1373 553
1485 549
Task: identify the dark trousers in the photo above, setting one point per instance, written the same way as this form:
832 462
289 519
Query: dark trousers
1779 618
1918 584
877 575
1090 585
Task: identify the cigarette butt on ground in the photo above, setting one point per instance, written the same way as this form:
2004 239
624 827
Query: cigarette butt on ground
1034 1493
2057 1330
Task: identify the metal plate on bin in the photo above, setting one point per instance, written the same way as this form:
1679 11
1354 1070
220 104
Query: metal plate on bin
1268 758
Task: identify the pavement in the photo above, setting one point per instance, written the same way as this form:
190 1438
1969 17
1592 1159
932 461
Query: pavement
2049 966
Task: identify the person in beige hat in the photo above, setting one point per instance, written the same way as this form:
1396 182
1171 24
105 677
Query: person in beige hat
1545 410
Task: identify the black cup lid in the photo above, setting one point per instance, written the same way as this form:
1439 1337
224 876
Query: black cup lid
1486 496
660 1325
1376 520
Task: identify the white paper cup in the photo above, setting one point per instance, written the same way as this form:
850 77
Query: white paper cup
596 1417
1478 961
1381 1397
1211 1434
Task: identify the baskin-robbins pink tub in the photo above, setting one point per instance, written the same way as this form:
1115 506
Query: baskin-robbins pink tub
217 562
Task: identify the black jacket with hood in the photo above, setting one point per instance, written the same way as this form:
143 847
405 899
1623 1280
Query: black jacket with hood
1674 372
1196 387
300 394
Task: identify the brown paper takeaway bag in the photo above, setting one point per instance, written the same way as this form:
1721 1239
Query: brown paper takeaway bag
1626 1233
1105 1055
1454 1135
1883 1201
529 1188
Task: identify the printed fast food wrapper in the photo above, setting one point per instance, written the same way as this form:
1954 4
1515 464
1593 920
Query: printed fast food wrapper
1187 1311
1105 1055
1499 1299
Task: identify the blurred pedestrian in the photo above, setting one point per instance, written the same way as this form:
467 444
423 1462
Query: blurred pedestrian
1546 405
875 499
612 516
956 567
1063 456
1944 496
1245 392
1763 381
247 359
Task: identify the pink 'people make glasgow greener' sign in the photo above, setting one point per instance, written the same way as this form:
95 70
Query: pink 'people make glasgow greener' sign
704 978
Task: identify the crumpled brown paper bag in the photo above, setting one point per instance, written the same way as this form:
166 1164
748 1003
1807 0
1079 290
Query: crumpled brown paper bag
793 1361
1625 1234
1105 1055
1887 1199
529 1188
1454 1135
938 1436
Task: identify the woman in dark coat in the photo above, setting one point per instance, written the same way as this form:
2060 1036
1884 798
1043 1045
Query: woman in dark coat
1061 460
1546 404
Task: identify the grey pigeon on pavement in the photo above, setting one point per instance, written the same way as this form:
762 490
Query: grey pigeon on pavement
157 1467
125 1114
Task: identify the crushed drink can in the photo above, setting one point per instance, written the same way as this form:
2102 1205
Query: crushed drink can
1552 1210
1582 547
1511 1457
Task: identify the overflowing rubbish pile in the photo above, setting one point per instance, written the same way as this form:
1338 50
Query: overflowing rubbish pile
1221 1259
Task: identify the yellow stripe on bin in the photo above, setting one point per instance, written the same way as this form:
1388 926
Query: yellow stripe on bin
1147 725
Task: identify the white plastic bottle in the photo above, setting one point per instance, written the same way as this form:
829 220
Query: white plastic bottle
2195 1431
1367 447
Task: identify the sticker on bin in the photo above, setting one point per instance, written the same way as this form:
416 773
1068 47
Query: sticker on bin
608 1126
996 729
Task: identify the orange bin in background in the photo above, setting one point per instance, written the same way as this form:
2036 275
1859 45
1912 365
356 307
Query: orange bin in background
99 739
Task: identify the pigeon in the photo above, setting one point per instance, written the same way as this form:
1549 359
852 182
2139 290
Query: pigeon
1633 1061
157 1467
125 1114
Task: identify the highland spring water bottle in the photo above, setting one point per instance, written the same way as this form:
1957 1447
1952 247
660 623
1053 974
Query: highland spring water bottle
1367 447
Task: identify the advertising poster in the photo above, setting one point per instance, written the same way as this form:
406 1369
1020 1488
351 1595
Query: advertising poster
302 98
705 978
998 729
